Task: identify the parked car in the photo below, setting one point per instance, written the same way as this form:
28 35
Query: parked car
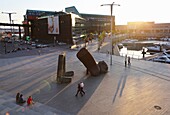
39 46
33 45
9 41
167 53
162 59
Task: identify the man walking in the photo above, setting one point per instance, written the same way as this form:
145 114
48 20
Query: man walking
80 89
129 63
125 60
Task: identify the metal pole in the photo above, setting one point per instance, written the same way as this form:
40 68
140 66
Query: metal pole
111 37
9 17
111 7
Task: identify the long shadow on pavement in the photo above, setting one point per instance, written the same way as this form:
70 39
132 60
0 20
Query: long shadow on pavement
121 84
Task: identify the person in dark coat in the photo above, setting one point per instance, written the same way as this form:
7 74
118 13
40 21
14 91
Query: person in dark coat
125 60
79 90
17 97
129 63
82 87
21 100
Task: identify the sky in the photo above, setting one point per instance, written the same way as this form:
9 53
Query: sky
129 10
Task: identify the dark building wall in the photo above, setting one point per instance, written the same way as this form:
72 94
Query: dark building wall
39 30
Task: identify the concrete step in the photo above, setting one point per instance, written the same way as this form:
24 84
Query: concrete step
8 105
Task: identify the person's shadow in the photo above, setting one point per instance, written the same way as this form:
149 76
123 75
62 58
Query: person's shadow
121 84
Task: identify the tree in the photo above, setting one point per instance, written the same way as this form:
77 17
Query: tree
102 36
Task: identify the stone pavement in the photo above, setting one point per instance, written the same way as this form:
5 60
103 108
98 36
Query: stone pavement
9 107
139 89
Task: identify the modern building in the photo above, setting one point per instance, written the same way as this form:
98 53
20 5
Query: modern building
91 23
48 26
68 23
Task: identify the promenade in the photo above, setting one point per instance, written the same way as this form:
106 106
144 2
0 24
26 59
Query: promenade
139 89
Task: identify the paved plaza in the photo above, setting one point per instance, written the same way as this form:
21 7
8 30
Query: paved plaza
139 89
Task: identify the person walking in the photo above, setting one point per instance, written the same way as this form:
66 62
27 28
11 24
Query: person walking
129 62
125 60
80 89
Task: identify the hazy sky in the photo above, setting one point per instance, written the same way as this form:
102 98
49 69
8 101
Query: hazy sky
129 11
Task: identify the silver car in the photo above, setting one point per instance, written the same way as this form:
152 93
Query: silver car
167 53
163 59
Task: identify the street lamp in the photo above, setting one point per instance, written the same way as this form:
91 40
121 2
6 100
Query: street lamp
111 8
9 13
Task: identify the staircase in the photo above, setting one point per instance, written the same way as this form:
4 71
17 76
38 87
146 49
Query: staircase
9 107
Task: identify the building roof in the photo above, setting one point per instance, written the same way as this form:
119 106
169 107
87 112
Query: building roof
39 12
72 9
94 15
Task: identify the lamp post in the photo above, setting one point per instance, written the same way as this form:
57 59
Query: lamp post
9 13
111 8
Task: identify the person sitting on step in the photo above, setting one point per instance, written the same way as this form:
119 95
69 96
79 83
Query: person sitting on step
21 100
17 97
30 101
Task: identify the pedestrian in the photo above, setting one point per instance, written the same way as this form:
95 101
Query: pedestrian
30 101
129 63
125 60
78 90
82 87
143 52
21 100
98 46
17 97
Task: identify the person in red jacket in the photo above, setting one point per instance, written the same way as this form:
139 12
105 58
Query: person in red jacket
30 100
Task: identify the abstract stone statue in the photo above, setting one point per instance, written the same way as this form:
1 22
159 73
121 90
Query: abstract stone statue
62 75
86 58
103 67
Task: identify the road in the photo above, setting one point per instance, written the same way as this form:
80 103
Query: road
28 72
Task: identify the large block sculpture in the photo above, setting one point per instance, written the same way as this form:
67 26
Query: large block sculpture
86 58
62 75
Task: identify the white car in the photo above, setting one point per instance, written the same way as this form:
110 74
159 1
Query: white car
163 59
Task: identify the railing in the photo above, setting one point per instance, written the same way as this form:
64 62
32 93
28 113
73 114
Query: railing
131 55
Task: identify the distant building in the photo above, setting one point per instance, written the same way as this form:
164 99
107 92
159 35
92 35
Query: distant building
48 26
68 23
145 29
92 23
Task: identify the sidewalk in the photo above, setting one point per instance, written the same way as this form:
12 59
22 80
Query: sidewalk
140 89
